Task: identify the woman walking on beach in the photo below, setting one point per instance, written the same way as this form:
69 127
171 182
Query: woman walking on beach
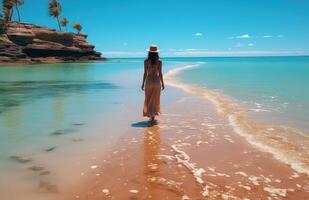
152 83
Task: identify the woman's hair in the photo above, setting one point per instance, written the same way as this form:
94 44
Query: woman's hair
153 57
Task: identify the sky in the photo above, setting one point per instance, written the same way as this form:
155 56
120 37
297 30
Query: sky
126 28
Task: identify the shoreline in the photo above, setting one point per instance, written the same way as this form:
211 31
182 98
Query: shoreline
192 153
59 61
182 159
190 156
257 134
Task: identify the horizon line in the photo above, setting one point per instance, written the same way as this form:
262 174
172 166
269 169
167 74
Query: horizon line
231 56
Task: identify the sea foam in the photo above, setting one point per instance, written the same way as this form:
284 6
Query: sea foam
289 146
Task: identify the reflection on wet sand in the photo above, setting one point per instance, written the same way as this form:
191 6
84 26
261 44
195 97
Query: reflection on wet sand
192 157
152 143
58 110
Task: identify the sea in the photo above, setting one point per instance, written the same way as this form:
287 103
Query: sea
61 116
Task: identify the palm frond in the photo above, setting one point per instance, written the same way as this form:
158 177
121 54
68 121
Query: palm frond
54 8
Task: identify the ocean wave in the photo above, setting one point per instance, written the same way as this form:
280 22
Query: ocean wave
286 144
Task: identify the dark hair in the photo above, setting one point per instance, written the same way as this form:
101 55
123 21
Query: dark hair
153 57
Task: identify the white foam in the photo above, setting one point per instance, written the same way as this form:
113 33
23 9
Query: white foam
185 197
176 71
183 158
241 173
217 173
105 191
295 164
246 187
205 192
94 166
166 156
133 191
230 197
171 184
220 101
254 180
199 142
274 192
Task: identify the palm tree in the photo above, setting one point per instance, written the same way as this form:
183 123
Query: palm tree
18 3
64 22
7 10
7 13
55 10
78 27
2 24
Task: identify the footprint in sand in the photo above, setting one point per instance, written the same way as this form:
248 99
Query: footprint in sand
21 159
36 168
78 124
77 139
50 149
44 173
46 186
62 132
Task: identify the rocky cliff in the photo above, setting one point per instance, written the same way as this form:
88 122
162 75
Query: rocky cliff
28 43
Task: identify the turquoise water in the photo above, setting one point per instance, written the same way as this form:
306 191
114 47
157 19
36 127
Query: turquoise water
40 99
272 88
92 102
61 116
82 102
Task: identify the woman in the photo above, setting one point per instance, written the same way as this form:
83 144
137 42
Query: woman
152 83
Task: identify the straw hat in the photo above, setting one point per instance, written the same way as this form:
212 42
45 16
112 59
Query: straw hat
153 48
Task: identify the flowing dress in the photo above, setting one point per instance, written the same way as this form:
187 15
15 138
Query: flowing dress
152 89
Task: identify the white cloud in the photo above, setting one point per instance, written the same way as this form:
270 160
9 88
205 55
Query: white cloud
189 49
198 34
240 37
251 44
243 36
231 52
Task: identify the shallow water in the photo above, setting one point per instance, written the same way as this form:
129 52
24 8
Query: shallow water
63 116
283 133
56 119
272 88
59 117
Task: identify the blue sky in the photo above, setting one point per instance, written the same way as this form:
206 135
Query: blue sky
125 28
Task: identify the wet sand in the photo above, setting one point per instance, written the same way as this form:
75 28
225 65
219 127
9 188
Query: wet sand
192 153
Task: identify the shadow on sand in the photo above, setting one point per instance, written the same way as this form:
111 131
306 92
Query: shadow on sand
144 124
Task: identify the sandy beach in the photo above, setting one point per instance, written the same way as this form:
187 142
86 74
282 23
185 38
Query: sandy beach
158 100
192 153
203 146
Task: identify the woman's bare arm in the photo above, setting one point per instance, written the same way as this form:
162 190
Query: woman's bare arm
145 74
161 76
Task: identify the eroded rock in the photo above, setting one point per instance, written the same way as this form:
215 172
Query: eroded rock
28 43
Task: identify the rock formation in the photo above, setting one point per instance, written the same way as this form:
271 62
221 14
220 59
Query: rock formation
28 43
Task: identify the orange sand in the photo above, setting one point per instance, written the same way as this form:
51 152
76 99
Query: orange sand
193 153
